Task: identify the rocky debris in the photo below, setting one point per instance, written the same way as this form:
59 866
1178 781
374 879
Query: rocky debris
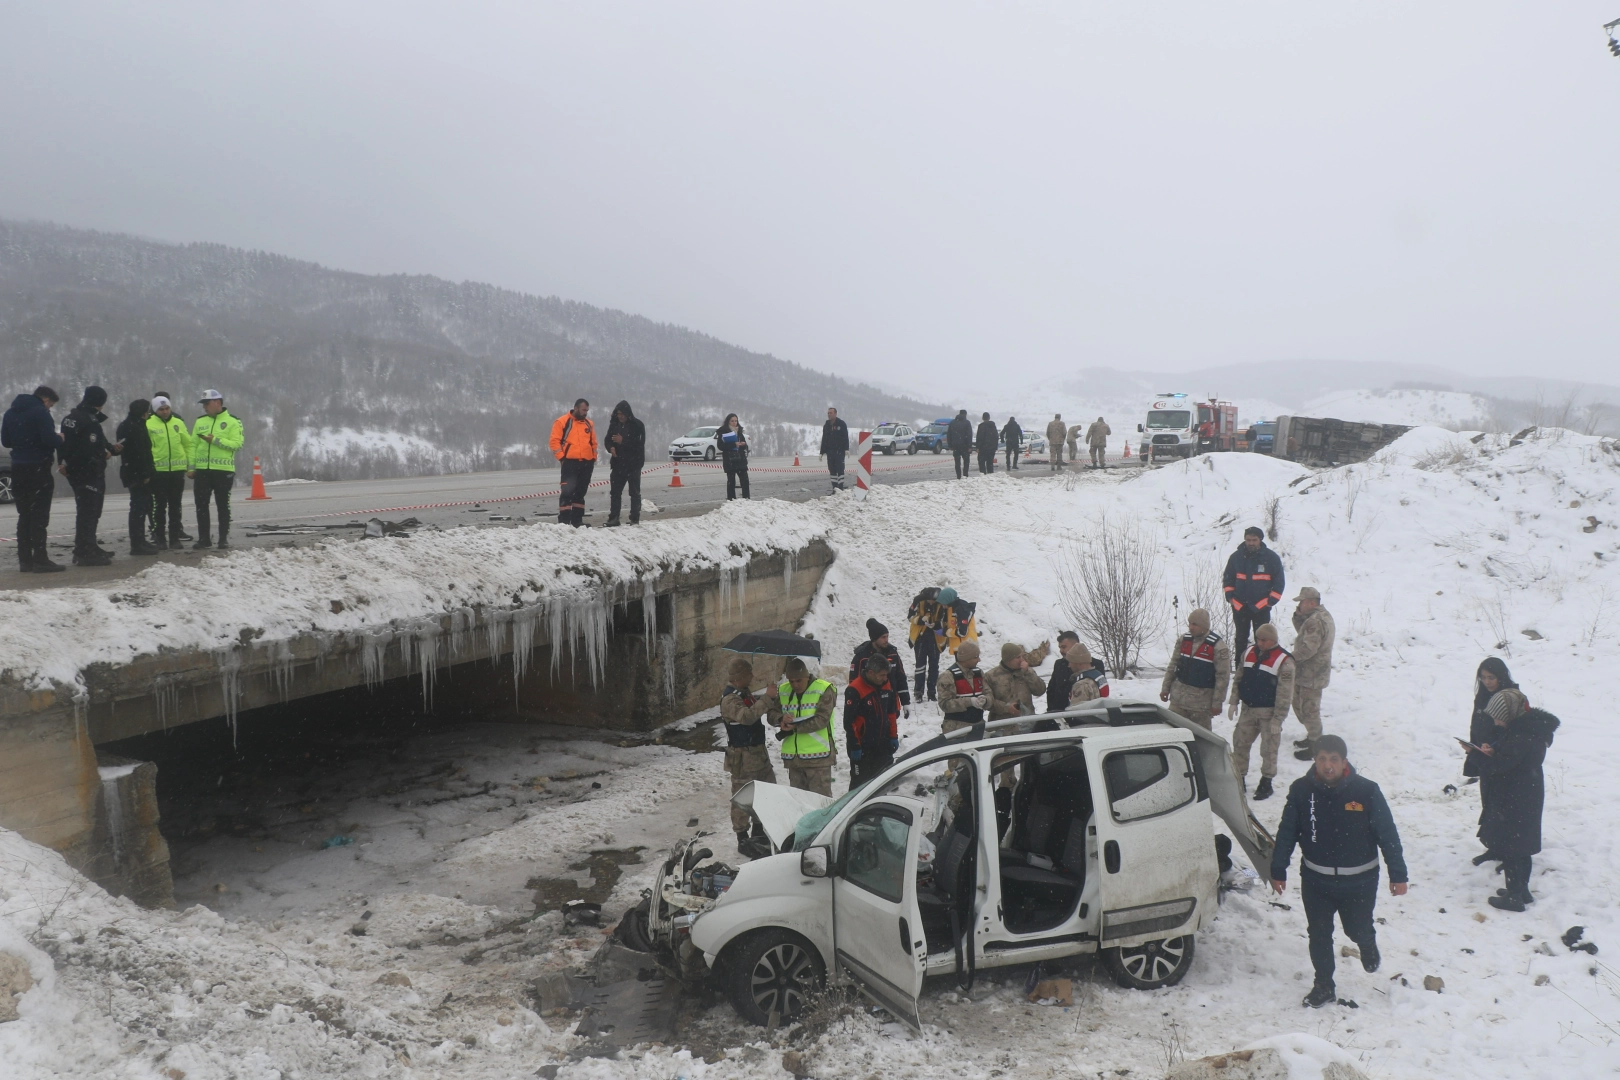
1435 983
394 978
15 980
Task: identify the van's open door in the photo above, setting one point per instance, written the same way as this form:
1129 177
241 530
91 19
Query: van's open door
877 925
1226 793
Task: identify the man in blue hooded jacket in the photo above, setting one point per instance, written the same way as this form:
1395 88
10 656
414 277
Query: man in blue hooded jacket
30 434
1341 822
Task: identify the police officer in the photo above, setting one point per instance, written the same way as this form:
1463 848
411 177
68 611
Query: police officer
1254 585
1265 691
743 713
215 439
806 728
1341 822
1196 679
964 697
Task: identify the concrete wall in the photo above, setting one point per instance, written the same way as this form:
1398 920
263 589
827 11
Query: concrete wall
51 792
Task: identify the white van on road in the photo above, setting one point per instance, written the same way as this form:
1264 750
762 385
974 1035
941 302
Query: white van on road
990 847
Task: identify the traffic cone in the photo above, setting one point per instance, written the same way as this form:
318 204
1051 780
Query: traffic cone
258 483
795 461
675 481
1127 448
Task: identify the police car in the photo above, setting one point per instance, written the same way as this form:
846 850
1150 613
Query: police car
891 437
992 846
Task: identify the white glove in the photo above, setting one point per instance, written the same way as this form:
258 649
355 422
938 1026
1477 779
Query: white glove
977 701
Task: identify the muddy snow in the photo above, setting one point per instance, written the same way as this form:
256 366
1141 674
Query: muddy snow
427 940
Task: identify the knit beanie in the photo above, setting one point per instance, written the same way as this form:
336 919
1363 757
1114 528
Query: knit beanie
740 669
967 654
1078 656
1011 651
947 595
1199 617
1505 705
875 629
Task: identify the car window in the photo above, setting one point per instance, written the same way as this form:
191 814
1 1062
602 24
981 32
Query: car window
1177 419
1144 783
944 787
875 851
702 433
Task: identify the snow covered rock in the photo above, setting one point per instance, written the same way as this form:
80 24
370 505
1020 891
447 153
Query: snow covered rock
16 979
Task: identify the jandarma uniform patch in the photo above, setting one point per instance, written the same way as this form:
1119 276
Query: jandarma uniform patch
1354 806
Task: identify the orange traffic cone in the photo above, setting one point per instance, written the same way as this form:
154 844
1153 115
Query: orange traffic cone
258 482
795 461
1127 448
675 481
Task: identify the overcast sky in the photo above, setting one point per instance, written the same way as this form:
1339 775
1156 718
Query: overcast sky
917 193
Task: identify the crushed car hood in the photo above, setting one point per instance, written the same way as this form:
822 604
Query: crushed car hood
778 808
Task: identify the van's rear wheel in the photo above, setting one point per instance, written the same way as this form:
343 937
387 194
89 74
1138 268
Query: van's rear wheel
773 971
1150 965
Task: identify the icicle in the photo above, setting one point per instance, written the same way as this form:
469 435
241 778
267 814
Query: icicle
460 621
427 658
523 624
667 650
166 691
115 810
742 587
282 674
788 560
230 685
725 592
372 664
576 623
649 613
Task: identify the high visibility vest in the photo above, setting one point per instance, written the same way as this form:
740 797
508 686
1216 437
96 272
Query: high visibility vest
219 455
171 444
810 747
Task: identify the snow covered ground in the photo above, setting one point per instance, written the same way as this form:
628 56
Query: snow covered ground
1437 552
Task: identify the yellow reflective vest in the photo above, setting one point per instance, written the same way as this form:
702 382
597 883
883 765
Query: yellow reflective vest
171 443
219 455
807 747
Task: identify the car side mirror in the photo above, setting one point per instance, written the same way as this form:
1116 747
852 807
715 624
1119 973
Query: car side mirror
1138 427
815 862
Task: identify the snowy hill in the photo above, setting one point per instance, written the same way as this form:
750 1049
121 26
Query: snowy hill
1433 408
440 376
1433 554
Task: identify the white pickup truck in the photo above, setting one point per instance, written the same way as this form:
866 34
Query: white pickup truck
993 846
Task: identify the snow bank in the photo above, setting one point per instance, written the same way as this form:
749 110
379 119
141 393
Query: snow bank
500 581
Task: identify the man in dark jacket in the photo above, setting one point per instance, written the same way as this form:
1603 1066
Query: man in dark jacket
627 453
1511 828
834 445
959 437
1012 437
136 471
1061 681
84 455
30 434
1254 585
1341 822
877 644
871 722
986 442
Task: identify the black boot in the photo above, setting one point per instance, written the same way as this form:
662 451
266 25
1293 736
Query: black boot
1321 994
1262 790
1369 957
1516 894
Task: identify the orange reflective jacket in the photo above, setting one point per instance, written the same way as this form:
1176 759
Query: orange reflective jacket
573 438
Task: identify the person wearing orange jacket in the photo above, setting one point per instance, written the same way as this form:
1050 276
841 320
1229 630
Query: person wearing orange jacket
573 440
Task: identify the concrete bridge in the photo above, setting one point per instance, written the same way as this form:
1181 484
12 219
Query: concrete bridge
633 657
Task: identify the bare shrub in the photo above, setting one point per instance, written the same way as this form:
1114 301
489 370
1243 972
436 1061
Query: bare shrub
1108 588
1202 587
1443 457
1273 513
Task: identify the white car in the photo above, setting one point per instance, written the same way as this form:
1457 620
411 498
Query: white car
992 846
892 438
697 443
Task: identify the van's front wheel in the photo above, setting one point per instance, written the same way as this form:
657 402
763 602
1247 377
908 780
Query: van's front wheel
1150 965
773 971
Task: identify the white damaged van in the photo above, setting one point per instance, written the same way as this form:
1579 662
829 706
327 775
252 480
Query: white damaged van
993 846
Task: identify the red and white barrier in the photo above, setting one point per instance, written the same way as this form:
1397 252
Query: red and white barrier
863 465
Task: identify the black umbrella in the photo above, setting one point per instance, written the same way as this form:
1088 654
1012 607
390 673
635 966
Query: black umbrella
774 643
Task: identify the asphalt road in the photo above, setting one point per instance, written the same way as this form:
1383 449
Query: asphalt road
304 513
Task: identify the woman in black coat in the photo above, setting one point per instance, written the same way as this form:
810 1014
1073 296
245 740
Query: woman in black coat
136 470
733 446
1512 760
1490 679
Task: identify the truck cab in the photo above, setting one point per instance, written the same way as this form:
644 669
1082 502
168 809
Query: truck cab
993 846
1171 429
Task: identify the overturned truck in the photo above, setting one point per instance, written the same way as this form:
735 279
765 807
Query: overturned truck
1327 442
992 846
